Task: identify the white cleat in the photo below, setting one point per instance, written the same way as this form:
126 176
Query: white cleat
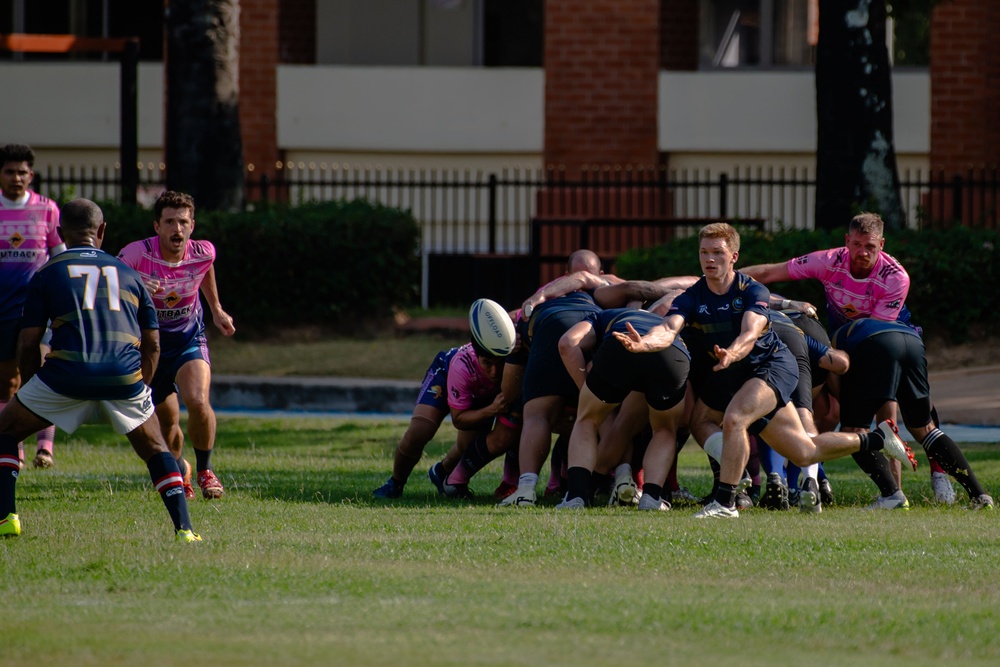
714 510
944 492
523 497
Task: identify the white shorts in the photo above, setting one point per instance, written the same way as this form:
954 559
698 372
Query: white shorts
124 415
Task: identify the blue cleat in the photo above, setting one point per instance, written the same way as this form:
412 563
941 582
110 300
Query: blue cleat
391 489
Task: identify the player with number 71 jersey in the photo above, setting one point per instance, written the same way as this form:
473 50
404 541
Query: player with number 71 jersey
98 307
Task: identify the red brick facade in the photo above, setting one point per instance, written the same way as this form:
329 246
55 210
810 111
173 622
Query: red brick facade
258 83
965 85
602 60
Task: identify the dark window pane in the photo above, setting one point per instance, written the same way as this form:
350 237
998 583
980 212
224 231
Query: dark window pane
513 33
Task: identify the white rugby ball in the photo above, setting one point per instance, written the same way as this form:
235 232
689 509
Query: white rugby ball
492 327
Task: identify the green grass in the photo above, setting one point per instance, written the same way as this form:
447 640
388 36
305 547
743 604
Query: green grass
300 566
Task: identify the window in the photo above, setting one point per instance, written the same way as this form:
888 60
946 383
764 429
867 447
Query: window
755 33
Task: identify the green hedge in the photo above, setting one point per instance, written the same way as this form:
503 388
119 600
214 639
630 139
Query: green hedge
330 264
953 272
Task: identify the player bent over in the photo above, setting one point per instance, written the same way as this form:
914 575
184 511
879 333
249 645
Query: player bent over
659 377
754 369
174 267
465 383
889 364
105 345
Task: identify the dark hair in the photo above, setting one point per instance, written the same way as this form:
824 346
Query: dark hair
17 153
482 351
172 199
79 215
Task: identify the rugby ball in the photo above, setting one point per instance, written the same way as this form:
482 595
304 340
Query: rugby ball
491 327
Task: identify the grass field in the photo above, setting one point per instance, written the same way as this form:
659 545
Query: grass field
300 566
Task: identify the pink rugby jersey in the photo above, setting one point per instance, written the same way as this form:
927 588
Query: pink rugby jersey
27 231
178 306
468 386
880 296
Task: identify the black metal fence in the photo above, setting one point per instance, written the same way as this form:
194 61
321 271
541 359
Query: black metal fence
469 212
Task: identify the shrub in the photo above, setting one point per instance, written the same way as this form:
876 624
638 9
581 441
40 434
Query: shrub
331 264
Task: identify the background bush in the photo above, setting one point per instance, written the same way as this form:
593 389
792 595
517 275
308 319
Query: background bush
952 272
331 264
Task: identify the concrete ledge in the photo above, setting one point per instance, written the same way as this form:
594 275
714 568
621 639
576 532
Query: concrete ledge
232 392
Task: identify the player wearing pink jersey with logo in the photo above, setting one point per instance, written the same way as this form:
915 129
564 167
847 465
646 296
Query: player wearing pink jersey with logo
175 268
861 280
28 238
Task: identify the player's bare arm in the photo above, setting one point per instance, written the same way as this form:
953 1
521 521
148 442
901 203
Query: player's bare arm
572 346
768 273
149 348
473 420
574 282
752 326
778 302
223 322
621 294
29 353
835 361
658 338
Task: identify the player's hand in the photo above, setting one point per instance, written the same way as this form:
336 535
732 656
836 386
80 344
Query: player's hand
725 358
805 307
153 286
631 341
224 323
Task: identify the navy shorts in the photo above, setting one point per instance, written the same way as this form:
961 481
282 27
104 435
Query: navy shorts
165 377
660 376
434 388
802 395
716 388
885 367
545 374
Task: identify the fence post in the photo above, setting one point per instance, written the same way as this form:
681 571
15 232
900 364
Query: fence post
493 213
956 201
129 104
723 195
265 185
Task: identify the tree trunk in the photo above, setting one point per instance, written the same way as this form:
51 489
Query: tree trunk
204 151
855 157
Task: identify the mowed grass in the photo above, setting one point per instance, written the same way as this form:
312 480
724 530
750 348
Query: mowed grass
300 566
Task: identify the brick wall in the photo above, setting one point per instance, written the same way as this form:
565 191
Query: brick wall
601 68
258 83
965 85
679 35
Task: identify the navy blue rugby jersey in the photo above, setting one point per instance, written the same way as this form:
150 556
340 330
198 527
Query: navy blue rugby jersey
717 319
849 336
816 348
607 322
97 306
581 303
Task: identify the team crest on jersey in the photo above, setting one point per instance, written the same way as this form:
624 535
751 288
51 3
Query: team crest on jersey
738 304
850 311
171 299
436 390
16 240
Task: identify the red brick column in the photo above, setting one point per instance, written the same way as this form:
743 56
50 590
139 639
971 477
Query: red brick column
965 105
965 84
602 61
259 20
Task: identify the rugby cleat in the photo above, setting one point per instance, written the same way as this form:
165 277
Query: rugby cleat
625 491
894 446
503 490
809 497
11 526
944 492
896 501
982 502
647 502
437 476
522 497
714 510
683 496
825 492
210 485
43 459
775 493
188 489
577 503
188 536
389 490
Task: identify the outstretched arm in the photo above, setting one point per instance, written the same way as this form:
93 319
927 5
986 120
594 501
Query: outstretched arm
581 280
222 320
658 338
768 273
753 325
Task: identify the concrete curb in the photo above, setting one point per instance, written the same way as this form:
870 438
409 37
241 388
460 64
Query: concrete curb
311 394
